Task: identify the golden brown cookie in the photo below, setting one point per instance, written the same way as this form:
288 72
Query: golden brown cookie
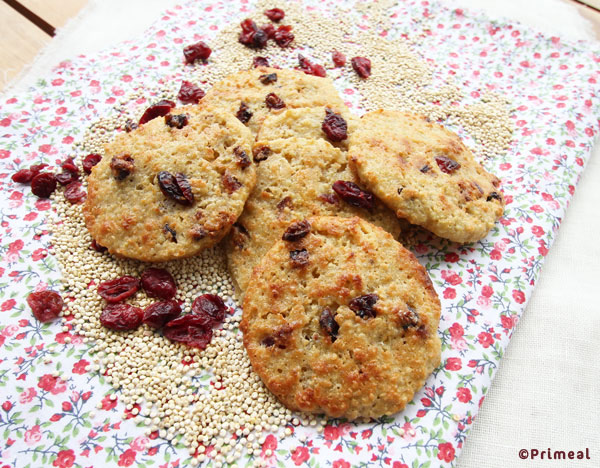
254 94
425 174
340 319
295 178
163 192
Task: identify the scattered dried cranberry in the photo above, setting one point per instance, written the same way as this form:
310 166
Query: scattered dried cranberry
189 93
90 161
45 305
311 68
188 329
494 196
248 26
159 109
42 185
23 176
268 78
74 193
260 62
121 317
243 114
118 289
283 36
353 194
66 177
408 318
37 168
122 166
275 14
158 282
363 305
299 258
274 102
158 314
172 232
296 231
446 164
239 235
242 156
197 51
339 59
330 198
334 126
328 324
69 166
362 66
269 30
251 35
97 247
230 183
260 154
177 121
176 187
210 307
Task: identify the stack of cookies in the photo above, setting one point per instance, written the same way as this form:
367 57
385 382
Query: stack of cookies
338 317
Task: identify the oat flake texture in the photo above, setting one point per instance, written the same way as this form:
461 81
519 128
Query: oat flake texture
74 394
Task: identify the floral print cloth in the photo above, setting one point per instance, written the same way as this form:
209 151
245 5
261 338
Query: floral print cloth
48 411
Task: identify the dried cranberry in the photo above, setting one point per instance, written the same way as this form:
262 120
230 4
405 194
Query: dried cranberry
45 305
363 305
90 161
446 164
97 247
158 314
310 68
66 177
158 282
328 324
334 126
425 169
239 235
118 289
269 30
283 36
43 184
251 35
177 121
172 232
210 307
243 114
74 193
494 196
261 153
242 156
268 78
37 168
275 14
130 126
260 62
248 26
121 317
299 258
330 198
159 109
69 166
189 93
176 187
362 66
339 59
285 202
274 102
122 166
197 51
188 329
230 183
353 194
408 318
296 231
23 176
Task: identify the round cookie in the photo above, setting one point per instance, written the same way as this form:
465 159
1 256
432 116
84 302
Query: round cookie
293 182
425 174
162 192
245 93
341 319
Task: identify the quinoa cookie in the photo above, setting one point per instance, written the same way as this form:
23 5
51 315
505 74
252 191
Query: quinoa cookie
340 319
254 94
172 187
425 174
294 181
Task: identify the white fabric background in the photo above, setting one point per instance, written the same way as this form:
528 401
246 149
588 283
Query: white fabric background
546 393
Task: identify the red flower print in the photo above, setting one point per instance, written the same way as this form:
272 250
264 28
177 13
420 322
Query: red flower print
397 464
7 305
127 458
451 257
4 154
331 432
5 122
487 291
454 279
67 406
79 366
108 404
440 390
449 293
340 464
7 406
64 459
464 395
456 330
47 382
39 254
56 417
421 413
426 402
495 254
485 339
270 444
446 452
508 321
27 396
30 216
518 296
152 451
57 82
366 433
86 396
300 455
453 364
47 149
537 231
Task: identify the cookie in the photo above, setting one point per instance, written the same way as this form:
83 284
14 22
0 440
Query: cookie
254 94
172 187
340 319
295 180
425 174
308 122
